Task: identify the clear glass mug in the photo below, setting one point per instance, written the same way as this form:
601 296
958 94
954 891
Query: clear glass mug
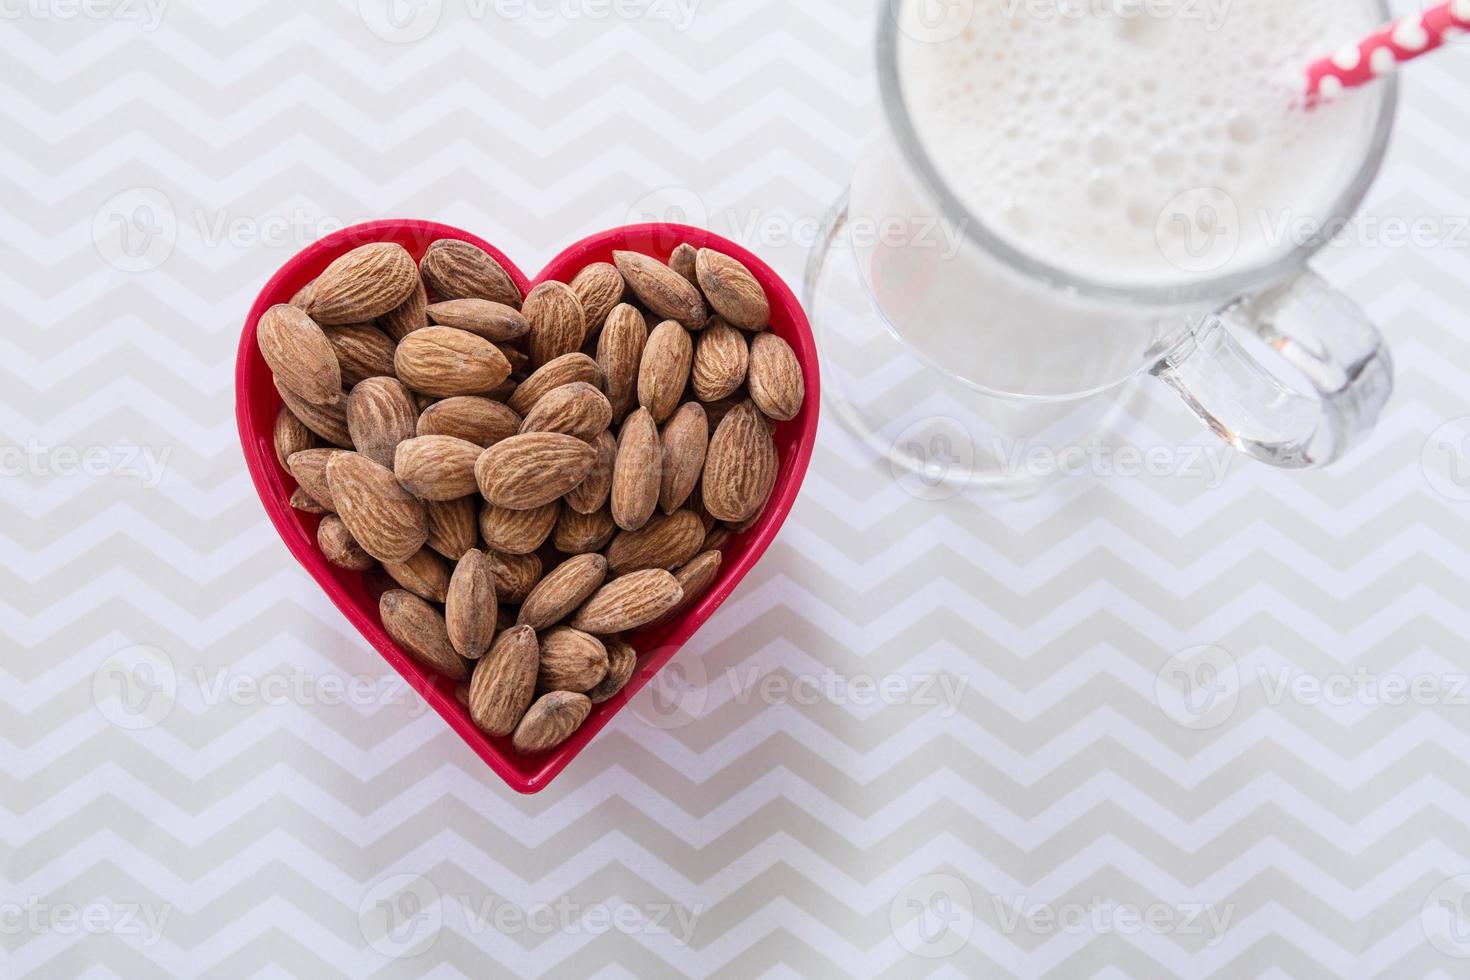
934 327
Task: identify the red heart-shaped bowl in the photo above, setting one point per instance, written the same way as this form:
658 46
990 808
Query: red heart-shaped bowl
257 403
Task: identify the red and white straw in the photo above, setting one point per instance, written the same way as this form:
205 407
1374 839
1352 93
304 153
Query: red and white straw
1383 51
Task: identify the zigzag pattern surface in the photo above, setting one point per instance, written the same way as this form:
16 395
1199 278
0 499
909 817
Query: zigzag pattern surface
926 738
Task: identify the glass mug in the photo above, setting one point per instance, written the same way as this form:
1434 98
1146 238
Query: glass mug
935 328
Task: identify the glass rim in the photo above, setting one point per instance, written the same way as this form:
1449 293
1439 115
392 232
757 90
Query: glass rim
1241 282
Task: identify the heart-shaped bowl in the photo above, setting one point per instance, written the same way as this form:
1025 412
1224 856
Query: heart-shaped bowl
257 404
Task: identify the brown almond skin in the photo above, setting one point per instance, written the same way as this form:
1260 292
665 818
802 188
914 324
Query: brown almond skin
436 467
515 575
685 439
570 661
776 384
302 501
554 374
591 494
299 354
418 628
622 660
683 262
580 534
732 291
564 589
470 606
327 421
426 575
577 409
549 722
619 354
518 532
309 469
637 472
340 548
453 527
667 542
740 467
380 414
410 315
482 421
389 522
721 359
364 284
661 289
663 373
629 602
695 579
530 471
458 270
504 685
496 322
303 296
599 287
291 436
445 362
363 351
558 322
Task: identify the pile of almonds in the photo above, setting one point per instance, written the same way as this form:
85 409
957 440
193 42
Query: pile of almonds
538 476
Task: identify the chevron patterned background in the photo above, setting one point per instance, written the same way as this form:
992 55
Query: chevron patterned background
1167 725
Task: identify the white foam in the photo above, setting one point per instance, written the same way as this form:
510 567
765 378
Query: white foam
1069 127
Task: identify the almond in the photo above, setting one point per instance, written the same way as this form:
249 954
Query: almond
580 534
470 606
663 373
685 438
683 262
637 472
776 384
302 296
558 322
418 628
504 684
665 292
551 721
732 291
721 357
518 532
389 522
412 314
591 494
309 469
479 420
667 542
299 355
599 287
291 436
380 414
496 322
425 575
627 603
458 270
303 501
559 594
364 284
554 374
327 421
452 525
515 575
445 362
570 661
530 471
577 409
695 580
740 469
363 351
339 546
621 662
619 353
436 467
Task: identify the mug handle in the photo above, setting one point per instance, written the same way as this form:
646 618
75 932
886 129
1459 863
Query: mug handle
1321 333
